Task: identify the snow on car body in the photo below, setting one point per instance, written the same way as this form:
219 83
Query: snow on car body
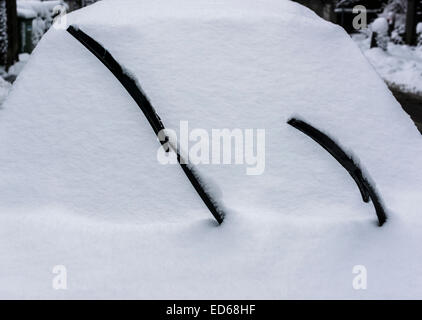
80 178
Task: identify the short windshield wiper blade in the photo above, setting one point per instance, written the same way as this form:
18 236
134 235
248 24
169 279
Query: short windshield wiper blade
135 91
366 189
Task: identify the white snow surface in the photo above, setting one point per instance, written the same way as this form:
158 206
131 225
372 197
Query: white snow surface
380 25
81 186
399 65
4 90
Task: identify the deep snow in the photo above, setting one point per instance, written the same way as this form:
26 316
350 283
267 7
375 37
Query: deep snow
81 186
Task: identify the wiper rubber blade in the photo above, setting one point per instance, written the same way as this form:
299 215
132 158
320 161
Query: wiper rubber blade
367 191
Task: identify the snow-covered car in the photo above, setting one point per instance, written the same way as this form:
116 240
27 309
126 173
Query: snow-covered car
82 186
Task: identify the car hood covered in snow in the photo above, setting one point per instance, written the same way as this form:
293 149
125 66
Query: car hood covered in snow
81 185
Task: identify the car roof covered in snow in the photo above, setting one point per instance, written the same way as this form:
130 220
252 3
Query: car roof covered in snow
75 144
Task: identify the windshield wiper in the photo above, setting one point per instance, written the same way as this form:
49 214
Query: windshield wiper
367 191
135 91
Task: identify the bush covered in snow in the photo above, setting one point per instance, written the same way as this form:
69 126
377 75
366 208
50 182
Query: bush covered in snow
380 33
395 13
380 26
42 12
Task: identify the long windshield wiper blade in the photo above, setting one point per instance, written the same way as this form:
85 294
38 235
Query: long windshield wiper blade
366 189
135 91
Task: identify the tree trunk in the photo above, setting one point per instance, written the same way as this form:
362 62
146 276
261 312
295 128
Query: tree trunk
411 22
12 33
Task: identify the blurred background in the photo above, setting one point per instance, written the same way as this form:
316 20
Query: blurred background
389 33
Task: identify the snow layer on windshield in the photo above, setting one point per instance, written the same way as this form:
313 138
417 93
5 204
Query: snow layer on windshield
81 185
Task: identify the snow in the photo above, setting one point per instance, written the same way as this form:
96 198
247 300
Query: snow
419 28
380 25
4 90
400 65
81 185
26 13
38 7
42 13
16 68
